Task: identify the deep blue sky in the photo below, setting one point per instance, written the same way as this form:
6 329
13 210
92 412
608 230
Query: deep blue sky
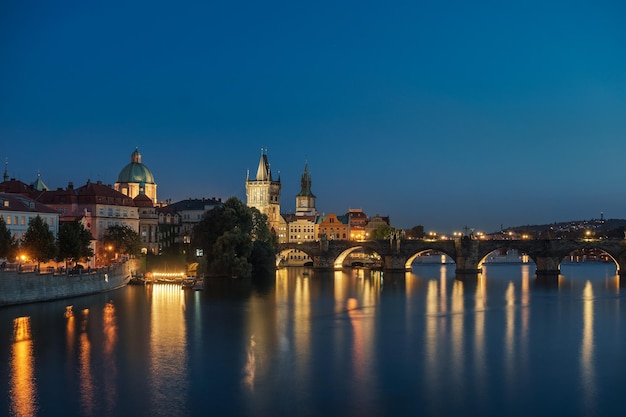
440 113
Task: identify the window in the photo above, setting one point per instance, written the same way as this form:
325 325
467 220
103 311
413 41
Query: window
8 219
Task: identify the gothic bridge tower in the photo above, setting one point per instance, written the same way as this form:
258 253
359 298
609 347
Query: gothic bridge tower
263 192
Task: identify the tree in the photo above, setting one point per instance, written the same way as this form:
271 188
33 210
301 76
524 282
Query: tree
7 244
416 232
39 241
382 231
235 240
74 242
123 239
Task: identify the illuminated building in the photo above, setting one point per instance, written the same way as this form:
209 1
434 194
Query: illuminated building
96 205
190 212
358 220
148 224
263 193
18 210
333 227
135 178
305 199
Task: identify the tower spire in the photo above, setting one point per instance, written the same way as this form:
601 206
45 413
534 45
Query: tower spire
263 172
6 169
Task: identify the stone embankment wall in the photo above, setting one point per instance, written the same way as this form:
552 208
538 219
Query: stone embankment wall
28 287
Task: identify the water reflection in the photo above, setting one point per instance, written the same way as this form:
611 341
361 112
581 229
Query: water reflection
86 378
23 392
586 351
109 328
168 349
332 344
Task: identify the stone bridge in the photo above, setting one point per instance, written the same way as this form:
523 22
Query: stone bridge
468 254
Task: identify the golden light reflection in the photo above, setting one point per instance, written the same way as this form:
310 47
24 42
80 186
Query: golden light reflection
443 295
301 319
167 355
510 329
587 348
70 330
86 377
250 368
109 327
479 334
525 312
22 389
358 355
340 290
458 316
432 341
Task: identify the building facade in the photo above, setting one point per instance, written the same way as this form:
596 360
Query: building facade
97 205
18 210
305 199
263 193
333 227
190 213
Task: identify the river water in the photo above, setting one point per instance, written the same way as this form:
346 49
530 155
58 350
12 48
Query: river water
346 343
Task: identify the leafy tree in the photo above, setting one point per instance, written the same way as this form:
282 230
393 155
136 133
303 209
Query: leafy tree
382 231
74 242
235 240
39 241
416 232
7 244
123 239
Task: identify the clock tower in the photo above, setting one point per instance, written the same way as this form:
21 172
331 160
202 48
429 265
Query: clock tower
305 200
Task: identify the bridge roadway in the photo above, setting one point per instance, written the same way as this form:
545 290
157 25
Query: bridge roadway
468 254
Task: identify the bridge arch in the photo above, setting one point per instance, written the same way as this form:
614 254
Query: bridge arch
372 254
294 257
524 257
590 252
408 265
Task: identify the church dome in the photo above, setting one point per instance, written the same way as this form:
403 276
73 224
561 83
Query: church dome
135 172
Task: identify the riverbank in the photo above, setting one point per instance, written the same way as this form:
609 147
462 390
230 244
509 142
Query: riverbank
29 287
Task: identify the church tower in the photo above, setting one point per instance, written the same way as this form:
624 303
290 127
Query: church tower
305 200
263 192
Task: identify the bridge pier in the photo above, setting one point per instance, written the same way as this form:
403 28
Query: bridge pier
467 257
394 263
548 266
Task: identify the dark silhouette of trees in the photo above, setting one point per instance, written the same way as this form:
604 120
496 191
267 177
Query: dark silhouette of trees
39 241
74 242
7 243
121 239
235 240
416 232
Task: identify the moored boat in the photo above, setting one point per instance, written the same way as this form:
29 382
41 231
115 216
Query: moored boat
198 284
188 283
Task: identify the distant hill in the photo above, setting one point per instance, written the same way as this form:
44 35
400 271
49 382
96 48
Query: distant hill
572 228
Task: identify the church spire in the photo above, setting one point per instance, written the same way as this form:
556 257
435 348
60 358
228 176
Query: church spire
6 169
263 172
305 182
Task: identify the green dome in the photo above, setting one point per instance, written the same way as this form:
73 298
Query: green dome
135 172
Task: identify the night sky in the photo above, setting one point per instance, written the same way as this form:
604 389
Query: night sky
440 113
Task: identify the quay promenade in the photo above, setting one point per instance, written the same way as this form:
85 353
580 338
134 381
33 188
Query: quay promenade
18 287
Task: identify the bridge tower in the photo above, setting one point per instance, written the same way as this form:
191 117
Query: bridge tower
305 200
263 192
